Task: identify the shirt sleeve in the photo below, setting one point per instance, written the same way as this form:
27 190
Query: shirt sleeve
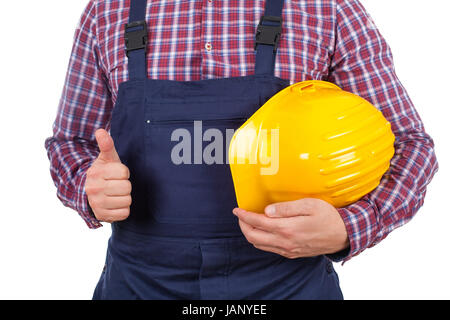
363 64
85 106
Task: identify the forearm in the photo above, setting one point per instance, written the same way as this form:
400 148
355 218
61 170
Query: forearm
85 106
396 200
363 64
69 161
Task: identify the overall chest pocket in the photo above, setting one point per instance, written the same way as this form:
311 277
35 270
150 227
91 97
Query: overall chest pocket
186 148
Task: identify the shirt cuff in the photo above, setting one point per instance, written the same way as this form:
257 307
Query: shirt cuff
360 222
83 207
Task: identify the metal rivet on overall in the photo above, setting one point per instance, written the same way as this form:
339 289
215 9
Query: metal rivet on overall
329 267
148 121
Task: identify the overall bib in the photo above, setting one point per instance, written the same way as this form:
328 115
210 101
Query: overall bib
181 240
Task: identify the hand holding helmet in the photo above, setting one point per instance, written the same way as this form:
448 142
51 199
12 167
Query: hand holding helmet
314 142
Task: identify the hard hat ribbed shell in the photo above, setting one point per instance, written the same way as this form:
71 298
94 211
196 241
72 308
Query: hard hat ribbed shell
310 140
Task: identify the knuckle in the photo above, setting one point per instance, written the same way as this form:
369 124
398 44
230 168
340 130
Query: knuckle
127 185
123 215
108 217
289 254
259 247
290 248
124 172
108 220
100 215
250 238
129 201
286 231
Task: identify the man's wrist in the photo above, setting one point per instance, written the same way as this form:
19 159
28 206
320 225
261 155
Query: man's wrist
84 209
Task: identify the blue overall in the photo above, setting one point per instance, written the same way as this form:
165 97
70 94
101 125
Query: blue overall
181 240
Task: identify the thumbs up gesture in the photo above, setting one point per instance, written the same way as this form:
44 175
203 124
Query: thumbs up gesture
107 186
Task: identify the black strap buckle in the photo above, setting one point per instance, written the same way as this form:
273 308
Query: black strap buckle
269 35
136 38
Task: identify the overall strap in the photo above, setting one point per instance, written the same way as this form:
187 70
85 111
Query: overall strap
267 36
136 38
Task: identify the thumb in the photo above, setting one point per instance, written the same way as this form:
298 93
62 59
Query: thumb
105 143
302 207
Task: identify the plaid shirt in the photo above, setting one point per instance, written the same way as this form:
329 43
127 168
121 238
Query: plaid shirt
333 40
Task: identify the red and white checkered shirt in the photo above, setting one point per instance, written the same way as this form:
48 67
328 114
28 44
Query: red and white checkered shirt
333 40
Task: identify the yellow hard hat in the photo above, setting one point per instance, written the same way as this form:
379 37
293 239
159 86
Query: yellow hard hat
310 140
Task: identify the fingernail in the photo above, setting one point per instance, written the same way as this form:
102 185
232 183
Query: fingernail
235 212
270 211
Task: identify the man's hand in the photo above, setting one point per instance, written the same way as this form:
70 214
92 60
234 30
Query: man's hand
107 186
302 228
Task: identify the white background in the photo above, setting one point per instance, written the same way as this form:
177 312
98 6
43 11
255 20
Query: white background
47 252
